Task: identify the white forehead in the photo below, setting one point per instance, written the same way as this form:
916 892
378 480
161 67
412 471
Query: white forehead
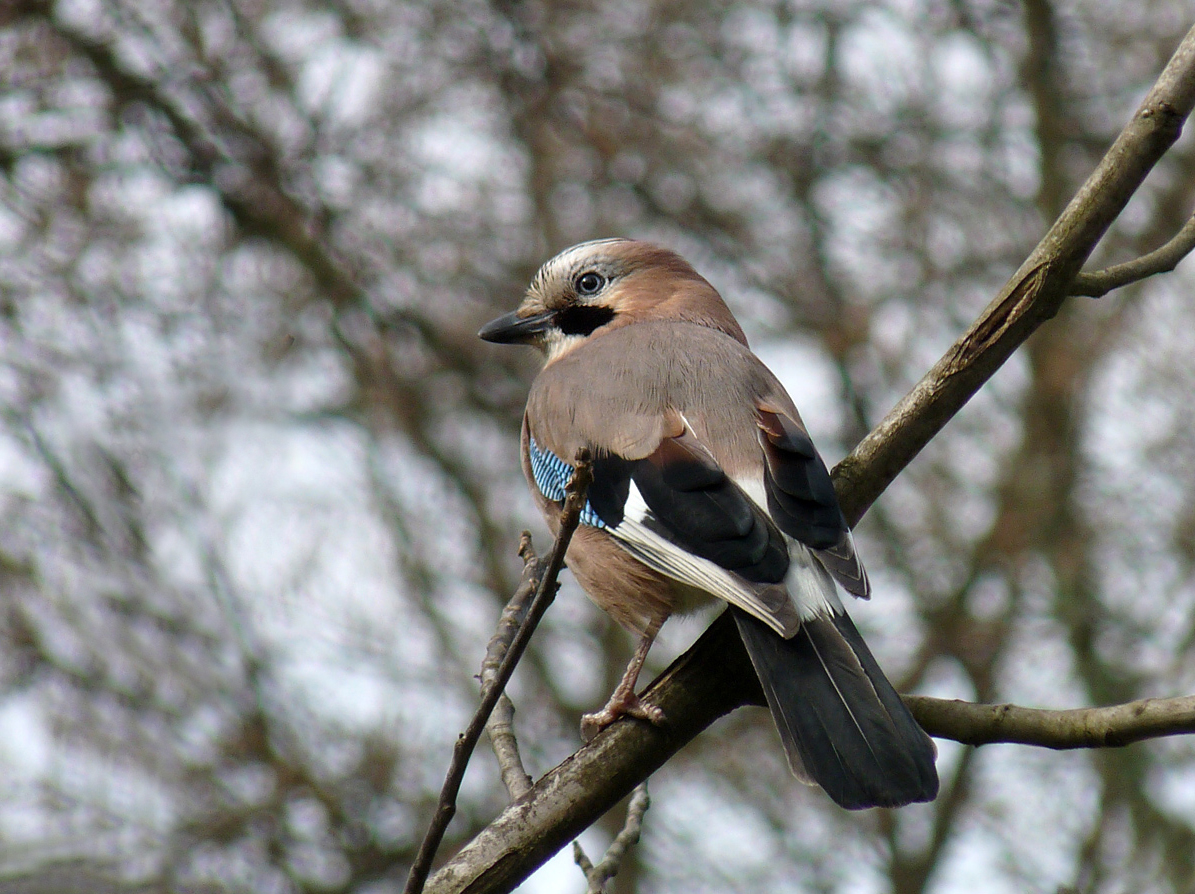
593 254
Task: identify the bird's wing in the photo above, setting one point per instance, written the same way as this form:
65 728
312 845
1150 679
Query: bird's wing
678 512
801 499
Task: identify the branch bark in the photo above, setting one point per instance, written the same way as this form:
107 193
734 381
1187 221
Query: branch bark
545 593
710 680
1032 296
1113 726
500 726
1161 260
715 675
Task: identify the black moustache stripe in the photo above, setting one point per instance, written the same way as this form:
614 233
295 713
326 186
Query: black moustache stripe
582 319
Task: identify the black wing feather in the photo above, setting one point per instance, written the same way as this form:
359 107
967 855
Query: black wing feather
694 505
801 497
610 488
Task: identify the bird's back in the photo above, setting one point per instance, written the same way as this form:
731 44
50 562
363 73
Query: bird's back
619 386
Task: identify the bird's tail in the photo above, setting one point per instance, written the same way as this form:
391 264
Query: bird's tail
842 724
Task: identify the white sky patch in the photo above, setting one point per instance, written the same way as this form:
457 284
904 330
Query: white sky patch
21 475
458 155
339 78
880 56
458 142
341 82
976 862
1173 788
804 51
964 72
26 744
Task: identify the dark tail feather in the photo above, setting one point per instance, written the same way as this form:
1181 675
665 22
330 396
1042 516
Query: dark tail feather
842 724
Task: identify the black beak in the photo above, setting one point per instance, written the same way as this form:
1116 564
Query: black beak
511 329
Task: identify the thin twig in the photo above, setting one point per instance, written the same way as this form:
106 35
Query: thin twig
628 837
500 726
1161 260
467 741
501 731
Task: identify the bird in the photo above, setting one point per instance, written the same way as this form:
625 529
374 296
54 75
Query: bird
706 486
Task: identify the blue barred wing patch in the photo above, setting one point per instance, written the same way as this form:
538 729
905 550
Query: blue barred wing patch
551 475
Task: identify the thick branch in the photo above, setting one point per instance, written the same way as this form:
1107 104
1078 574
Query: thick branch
715 675
1124 724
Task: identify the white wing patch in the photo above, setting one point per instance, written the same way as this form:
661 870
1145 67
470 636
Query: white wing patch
810 584
666 557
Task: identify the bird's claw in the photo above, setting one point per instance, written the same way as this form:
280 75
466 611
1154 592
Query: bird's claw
628 705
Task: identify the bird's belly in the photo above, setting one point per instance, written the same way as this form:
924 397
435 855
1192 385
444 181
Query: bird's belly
633 594
690 599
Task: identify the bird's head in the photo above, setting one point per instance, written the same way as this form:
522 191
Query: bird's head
596 287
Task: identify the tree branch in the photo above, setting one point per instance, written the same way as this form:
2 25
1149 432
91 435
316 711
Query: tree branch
710 680
1032 296
597 876
500 726
446 807
1161 260
715 675
1113 726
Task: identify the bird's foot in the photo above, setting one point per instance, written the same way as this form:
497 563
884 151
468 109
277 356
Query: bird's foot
621 704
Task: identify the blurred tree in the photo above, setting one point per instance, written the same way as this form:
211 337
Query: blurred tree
260 484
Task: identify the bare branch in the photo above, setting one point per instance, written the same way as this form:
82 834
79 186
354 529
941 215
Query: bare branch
1113 726
628 837
713 678
1032 296
500 726
463 750
1161 260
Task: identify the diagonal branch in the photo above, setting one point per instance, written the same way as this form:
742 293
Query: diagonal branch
500 726
1032 296
715 675
467 741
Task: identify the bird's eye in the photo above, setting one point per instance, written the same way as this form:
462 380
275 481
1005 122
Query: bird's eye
589 283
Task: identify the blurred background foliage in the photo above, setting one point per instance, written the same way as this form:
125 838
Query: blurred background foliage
259 479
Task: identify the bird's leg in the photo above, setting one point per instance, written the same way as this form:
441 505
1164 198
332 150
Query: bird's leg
623 700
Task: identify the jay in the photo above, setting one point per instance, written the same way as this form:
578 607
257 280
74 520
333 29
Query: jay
706 486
